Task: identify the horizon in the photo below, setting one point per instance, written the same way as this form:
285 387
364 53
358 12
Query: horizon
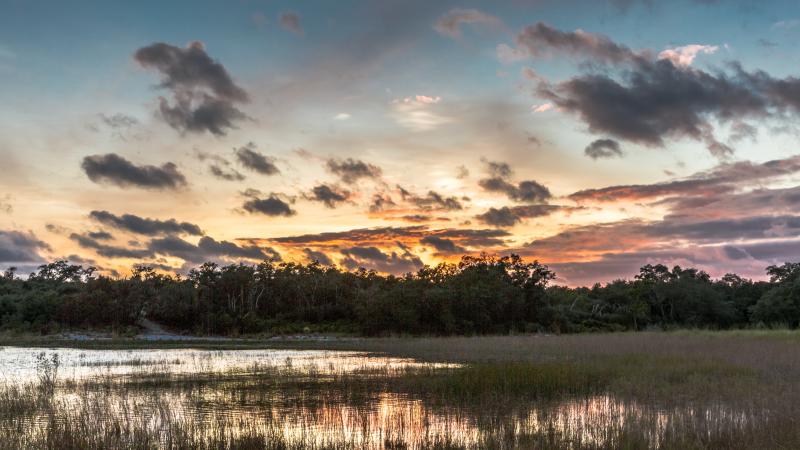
395 135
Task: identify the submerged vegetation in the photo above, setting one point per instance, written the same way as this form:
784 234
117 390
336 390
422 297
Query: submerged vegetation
478 295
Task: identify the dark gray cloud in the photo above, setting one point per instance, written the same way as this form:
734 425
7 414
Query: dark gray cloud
119 121
114 169
189 68
499 180
19 247
110 251
658 100
100 235
431 201
442 245
253 160
539 39
273 205
510 216
525 191
204 94
481 238
373 258
331 196
416 218
291 21
603 148
498 169
315 255
653 99
225 174
380 202
384 236
200 112
145 226
351 170
208 249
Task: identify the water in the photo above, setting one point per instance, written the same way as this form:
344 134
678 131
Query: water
277 392
18 364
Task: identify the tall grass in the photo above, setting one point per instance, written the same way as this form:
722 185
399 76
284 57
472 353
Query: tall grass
690 390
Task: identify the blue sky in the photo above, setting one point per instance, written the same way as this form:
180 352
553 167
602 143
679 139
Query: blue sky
435 95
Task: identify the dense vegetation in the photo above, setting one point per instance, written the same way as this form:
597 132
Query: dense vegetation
478 295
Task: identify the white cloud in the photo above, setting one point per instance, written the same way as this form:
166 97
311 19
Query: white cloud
790 23
423 99
685 55
342 116
418 112
542 108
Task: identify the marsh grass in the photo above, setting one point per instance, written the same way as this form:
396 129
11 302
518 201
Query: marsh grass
687 390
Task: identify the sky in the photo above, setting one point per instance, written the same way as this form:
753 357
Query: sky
593 136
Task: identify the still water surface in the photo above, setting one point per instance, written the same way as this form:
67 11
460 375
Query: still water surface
240 391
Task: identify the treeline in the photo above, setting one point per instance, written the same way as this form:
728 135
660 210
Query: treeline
478 295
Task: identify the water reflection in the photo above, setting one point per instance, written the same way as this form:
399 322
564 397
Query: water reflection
277 393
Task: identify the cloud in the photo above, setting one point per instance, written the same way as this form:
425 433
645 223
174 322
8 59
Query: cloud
525 191
108 250
450 23
431 201
253 160
314 255
273 205
208 249
539 39
351 170
603 148
685 55
100 235
544 107
114 169
331 196
145 226
291 21
389 236
380 202
204 94
724 177
374 258
416 218
786 24
744 246
419 113
201 112
443 246
5 204
529 191
510 216
659 100
653 99
223 174
19 247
